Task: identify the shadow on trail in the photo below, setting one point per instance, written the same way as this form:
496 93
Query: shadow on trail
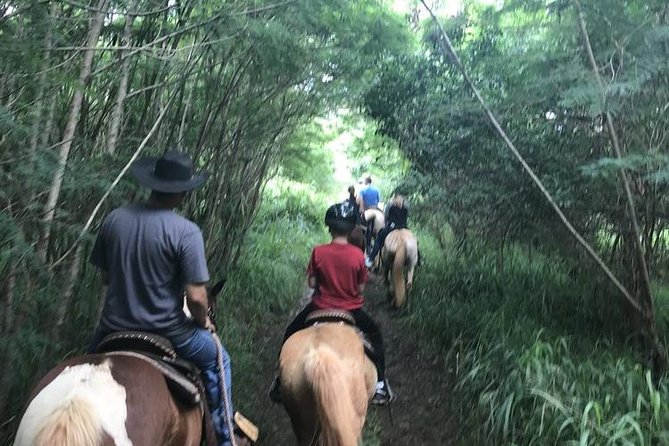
421 412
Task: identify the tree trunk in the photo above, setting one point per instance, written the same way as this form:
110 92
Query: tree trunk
64 305
117 114
70 129
39 97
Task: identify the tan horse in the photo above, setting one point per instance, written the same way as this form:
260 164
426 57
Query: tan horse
401 251
375 219
327 382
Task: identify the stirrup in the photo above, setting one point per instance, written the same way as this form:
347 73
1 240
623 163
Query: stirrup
383 396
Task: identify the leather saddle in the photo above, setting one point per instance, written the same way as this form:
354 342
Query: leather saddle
182 377
341 317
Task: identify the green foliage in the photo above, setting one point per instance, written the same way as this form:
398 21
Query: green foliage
534 358
305 158
528 62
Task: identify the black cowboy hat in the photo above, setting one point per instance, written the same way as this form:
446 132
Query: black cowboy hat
171 173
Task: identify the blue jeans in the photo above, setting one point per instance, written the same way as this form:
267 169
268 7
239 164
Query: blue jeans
200 349
379 241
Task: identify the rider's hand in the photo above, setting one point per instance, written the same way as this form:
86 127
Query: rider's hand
210 326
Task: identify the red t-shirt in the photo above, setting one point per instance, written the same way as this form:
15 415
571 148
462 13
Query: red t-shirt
339 269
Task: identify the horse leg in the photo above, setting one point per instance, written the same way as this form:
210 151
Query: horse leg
410 276
304 422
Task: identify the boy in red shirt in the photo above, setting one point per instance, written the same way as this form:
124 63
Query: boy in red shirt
338 275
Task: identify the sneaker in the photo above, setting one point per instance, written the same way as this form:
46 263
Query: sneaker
383 395
275 391
368 262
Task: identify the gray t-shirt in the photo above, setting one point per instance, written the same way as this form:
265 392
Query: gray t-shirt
149 254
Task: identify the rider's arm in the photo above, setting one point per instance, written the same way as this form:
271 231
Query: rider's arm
195 275
196 299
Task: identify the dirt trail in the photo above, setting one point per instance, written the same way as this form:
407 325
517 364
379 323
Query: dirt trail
420 413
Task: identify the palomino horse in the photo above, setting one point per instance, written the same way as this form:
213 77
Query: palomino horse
401 251
375 219
327 382
109 400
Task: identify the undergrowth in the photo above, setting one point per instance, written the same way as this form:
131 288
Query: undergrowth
539 353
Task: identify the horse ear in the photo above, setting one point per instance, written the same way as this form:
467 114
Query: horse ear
216 289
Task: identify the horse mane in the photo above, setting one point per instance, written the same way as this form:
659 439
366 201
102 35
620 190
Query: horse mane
74 423
323 370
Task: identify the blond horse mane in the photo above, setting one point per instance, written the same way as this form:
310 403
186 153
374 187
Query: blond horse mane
72 424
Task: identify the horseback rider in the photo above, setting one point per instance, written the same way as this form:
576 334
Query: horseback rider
397 214
354 201
338 275
370 198
370 195
150 257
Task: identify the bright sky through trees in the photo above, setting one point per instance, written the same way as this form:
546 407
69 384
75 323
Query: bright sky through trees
447 7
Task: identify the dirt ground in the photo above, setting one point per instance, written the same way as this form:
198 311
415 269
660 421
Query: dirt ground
420 413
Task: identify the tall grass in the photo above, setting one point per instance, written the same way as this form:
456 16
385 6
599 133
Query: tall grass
538 353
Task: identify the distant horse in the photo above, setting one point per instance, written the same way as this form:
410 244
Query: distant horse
109 400
327 382
400 256
375 219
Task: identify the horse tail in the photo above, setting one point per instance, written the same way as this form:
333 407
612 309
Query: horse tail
411 259
334 404
74 423
398 274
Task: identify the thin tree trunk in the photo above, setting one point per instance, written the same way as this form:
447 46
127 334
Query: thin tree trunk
39 99
48 127
8 297
70 129
64 304
117 114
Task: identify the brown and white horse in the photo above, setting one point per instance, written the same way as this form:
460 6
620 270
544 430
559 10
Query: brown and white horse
108 400
327 382
101 400
400 256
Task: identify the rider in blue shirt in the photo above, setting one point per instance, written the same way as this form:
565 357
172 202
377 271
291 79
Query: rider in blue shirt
370 195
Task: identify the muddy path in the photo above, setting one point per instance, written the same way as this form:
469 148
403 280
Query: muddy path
420 413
